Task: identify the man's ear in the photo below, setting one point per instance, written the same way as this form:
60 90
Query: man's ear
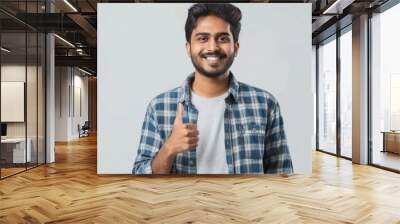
237 45
188 48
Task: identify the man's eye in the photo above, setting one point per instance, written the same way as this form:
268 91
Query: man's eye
224 39
202 39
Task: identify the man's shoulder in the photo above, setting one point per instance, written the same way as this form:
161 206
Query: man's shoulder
261 95
170 96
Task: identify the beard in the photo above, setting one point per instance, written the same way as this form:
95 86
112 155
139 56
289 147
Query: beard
213 72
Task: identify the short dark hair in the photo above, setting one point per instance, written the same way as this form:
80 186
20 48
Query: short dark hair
225 11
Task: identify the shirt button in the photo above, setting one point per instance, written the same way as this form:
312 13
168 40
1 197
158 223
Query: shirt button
191 162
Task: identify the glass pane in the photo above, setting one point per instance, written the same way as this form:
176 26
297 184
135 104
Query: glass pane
13 86
327 97
22 88
31 101
41 99
386 89
346 93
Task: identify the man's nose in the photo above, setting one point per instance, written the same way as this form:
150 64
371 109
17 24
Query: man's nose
212 45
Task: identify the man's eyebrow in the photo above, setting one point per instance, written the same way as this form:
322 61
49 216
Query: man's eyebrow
222 33
208 34
202 34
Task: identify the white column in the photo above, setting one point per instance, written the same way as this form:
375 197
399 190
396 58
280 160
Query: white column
50 110
50 92
360 90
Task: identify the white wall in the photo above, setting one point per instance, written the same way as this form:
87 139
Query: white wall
141 53
68 81
61 103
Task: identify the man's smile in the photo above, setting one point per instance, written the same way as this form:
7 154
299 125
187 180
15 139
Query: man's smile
213 59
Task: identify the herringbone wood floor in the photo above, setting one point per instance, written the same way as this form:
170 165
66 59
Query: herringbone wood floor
70 191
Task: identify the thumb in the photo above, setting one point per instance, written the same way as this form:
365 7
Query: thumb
179 114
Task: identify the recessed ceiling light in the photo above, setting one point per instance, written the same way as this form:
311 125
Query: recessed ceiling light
84 71
337 7
5 50
70 5
64 40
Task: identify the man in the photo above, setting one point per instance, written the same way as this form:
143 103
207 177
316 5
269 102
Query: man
213 124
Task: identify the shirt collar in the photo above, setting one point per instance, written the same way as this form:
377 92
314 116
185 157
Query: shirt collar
185 88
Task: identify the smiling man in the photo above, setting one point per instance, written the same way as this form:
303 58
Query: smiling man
213 124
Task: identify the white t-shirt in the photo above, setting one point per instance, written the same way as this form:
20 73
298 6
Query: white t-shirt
210 152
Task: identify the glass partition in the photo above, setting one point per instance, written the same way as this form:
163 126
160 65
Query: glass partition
346 94
22 77
327 96
32 95
385 89
41 107
13 109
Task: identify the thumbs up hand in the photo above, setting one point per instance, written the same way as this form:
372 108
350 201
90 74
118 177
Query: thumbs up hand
183 136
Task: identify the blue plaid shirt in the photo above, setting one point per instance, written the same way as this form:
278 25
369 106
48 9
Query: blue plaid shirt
255 139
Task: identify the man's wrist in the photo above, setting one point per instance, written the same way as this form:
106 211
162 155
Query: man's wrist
169 151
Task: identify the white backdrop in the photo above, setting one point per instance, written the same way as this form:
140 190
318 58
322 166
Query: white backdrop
141 53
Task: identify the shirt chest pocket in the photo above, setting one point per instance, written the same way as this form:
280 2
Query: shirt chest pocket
251 140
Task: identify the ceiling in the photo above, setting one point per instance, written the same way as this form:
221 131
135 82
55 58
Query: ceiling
76 22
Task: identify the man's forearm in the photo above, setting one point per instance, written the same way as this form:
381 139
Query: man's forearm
162 162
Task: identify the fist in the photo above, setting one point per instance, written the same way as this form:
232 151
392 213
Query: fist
183 136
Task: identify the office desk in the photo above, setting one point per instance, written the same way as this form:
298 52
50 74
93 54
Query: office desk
13 150
391 141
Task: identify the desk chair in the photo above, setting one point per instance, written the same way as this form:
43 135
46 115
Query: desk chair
84 130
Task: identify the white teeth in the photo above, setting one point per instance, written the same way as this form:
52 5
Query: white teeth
212 58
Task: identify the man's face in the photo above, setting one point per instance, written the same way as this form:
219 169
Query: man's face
212 48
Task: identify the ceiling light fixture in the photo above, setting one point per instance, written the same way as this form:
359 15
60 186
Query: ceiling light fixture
5 50
329 9
84 71
70 5
65 41
79 51
337 7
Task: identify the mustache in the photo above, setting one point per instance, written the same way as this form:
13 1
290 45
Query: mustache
215 53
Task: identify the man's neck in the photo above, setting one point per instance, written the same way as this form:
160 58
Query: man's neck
210 87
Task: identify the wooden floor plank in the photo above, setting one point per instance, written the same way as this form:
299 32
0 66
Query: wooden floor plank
70 191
